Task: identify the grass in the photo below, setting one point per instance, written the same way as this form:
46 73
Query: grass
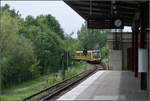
76 69
25 84
106 61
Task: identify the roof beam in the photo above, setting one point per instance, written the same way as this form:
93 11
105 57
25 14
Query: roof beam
102 14
120 8
105 11
105 4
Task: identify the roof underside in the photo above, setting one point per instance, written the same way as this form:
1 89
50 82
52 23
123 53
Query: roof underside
125 9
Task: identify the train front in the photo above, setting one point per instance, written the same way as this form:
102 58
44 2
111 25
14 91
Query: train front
96 56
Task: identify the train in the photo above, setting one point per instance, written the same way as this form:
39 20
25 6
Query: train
92 56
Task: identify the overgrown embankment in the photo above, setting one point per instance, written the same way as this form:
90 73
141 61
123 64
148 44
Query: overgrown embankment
9 95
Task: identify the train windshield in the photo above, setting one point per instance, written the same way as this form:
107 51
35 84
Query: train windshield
95 54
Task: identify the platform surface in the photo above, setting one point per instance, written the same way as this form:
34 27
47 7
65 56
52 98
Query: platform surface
108 85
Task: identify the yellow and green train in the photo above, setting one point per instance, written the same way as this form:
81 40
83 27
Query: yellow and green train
93 56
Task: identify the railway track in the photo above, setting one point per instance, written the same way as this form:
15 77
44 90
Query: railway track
101 66
55 90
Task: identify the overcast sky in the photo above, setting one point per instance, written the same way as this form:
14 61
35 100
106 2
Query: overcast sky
69 20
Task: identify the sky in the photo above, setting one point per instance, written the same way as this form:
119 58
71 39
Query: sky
69 20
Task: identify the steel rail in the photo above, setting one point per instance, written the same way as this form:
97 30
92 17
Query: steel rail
83 75
58 84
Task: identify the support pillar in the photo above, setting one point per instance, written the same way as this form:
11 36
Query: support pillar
136 49
143 44
133 46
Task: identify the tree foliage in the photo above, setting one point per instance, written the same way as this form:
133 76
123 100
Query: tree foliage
104 51
17 54
92 38
48 41
11 13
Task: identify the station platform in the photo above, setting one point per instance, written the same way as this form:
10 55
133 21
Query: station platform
108 85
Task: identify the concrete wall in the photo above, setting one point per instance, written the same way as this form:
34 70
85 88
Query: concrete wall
115 58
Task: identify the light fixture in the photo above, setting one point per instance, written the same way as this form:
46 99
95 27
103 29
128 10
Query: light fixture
114 7
113 1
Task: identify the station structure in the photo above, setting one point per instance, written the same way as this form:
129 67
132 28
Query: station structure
129 52
120 55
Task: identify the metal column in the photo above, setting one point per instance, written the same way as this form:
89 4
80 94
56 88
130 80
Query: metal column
136 49
133 45
143 44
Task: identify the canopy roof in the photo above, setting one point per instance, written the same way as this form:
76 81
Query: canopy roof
104 9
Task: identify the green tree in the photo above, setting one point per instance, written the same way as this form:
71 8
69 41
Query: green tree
48 39
104 51
50 46
71 44
18 61
51 23
92 38
12 13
